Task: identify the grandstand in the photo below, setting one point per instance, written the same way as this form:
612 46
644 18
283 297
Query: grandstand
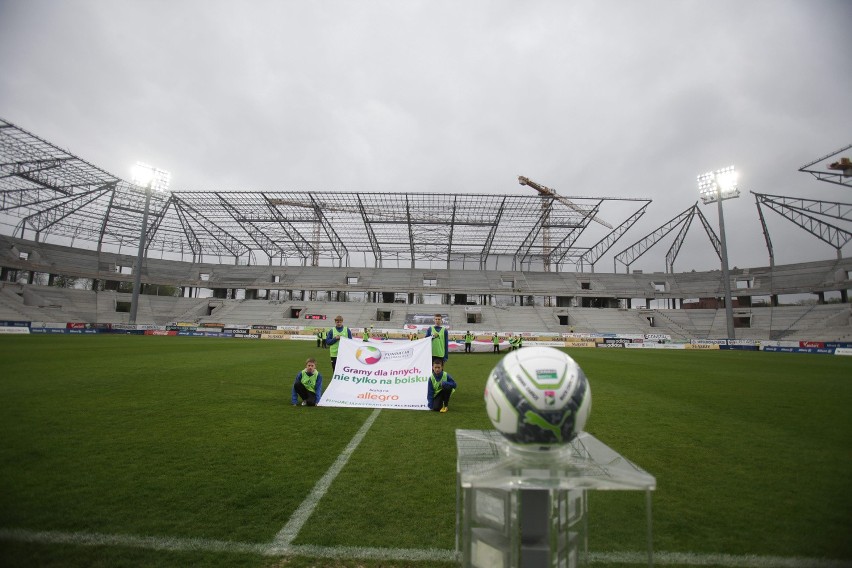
509 264
33 302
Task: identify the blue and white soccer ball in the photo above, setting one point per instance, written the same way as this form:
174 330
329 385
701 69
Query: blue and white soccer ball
538 396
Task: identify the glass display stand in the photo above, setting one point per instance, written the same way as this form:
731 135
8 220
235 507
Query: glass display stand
524 508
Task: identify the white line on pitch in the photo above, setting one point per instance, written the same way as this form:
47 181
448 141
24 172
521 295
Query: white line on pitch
401 554
131 541
728 560
300 516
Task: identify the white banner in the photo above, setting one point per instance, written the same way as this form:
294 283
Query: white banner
655 346
658 336
377 374
17 330
742 342
477 346
768 343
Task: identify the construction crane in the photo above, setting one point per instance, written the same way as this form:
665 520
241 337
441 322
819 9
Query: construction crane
844 165
545 215
542 190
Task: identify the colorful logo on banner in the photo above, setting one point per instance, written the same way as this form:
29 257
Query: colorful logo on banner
392 374
368 355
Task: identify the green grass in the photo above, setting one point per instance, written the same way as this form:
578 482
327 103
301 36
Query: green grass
194 438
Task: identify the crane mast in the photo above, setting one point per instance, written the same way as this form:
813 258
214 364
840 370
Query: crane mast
543 190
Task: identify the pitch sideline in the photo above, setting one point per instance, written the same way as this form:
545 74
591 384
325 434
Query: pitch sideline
298 519
399 554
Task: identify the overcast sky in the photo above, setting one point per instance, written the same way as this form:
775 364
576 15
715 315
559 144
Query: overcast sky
620 98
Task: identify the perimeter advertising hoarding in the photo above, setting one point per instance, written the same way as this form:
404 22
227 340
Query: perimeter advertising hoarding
424 321
817 350
478 346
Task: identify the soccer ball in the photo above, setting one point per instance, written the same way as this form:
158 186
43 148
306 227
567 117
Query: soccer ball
538 396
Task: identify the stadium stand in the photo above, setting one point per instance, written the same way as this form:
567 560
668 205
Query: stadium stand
264 257
11 303
815 322
497 300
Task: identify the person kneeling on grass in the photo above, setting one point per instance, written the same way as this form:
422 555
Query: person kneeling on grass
440 387
308 385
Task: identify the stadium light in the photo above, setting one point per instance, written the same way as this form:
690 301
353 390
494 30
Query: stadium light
718 186
151 179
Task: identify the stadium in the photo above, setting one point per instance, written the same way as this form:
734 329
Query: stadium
491 263
166 447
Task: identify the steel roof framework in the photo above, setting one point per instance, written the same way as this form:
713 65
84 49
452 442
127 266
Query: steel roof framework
811 215
48 194
682 220
839 172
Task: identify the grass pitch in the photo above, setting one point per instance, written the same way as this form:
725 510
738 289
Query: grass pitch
194 438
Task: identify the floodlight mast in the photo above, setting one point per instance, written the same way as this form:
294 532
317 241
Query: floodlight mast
718 186
151 179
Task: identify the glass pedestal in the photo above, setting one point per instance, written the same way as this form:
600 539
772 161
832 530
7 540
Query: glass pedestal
525 508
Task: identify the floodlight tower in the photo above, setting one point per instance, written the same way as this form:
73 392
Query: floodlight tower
151 179
718 186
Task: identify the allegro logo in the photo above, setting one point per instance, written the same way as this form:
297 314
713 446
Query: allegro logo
379 397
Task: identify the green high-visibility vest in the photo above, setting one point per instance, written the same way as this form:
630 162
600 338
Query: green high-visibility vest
468 338
310 381
436 384
438 345
334 346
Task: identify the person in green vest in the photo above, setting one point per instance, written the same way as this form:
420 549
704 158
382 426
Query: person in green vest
320 338
520 342
332 339
308 385
468 341
495 339
440 340
439 388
